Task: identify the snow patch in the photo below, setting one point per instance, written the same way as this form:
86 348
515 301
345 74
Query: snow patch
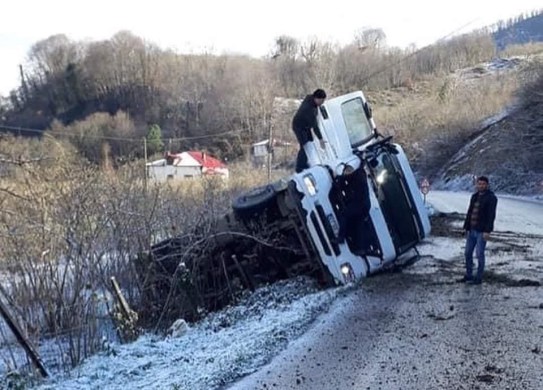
220 349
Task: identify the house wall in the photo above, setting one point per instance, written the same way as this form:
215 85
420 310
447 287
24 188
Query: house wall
222 172
260 150
171 172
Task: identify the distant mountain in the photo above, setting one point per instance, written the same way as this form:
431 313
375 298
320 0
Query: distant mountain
520 30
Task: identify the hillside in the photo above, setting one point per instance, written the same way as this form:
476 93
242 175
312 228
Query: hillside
70 85
433 101
520 31
508 147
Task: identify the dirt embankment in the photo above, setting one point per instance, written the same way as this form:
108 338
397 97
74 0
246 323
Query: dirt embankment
508 148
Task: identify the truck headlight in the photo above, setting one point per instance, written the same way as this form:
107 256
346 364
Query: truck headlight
381 177
348 273
310 184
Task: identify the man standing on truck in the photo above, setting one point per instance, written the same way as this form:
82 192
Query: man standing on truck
478 225
304 123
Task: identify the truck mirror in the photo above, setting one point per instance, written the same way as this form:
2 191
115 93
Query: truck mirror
368 110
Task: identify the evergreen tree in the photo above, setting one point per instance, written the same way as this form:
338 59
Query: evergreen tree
154 139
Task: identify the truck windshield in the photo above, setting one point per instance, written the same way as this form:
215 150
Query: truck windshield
356 122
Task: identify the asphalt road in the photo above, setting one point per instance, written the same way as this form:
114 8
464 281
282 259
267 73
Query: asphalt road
420 329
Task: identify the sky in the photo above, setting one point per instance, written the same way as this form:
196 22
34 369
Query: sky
238 26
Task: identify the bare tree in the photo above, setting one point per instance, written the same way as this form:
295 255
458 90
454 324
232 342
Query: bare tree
368 37
320 58
51 56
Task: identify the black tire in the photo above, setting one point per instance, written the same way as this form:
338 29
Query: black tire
254 202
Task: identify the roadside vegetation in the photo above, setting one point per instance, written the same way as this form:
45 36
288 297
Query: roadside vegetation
68 226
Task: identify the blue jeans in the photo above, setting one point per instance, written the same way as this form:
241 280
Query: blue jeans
475 241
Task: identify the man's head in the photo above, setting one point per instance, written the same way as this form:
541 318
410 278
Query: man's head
482 183
318 96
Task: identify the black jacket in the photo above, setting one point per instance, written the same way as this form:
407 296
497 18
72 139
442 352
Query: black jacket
487 212
305 119
357 197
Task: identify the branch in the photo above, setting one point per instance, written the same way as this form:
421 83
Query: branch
14 194
201 241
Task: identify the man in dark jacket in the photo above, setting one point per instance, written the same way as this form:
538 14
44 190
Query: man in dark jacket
353 218
304 122
478 225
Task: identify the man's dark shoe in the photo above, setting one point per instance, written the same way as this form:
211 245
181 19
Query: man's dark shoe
465 279
476 281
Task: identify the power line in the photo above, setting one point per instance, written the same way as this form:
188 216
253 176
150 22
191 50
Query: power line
67 134
59 133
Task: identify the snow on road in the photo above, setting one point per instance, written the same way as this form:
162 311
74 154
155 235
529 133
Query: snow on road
417 329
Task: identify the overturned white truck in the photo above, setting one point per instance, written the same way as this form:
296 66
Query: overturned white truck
300 215
399 220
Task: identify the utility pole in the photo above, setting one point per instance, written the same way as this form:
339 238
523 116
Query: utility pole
270 138
270 150
145 158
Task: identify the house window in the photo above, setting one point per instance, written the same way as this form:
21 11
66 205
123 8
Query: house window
188 176
170 177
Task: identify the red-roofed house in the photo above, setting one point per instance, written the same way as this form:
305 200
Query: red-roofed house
186 165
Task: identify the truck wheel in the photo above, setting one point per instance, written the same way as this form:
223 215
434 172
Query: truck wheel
254 202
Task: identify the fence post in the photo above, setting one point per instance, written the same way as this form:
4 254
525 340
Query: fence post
128 318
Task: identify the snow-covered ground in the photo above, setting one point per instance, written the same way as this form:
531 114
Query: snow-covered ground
222 348
417 329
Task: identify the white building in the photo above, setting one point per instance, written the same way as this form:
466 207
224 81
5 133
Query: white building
186 165
259 150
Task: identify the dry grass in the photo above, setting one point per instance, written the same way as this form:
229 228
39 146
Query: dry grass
243 176
434 120
523 50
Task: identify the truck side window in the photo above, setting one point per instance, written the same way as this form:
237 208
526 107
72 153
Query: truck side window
356 123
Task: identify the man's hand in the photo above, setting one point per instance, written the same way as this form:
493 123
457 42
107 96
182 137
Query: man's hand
486 236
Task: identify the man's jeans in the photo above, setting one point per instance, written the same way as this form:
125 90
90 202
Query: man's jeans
475 241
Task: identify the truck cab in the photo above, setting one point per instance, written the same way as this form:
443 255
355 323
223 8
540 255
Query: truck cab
398 217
